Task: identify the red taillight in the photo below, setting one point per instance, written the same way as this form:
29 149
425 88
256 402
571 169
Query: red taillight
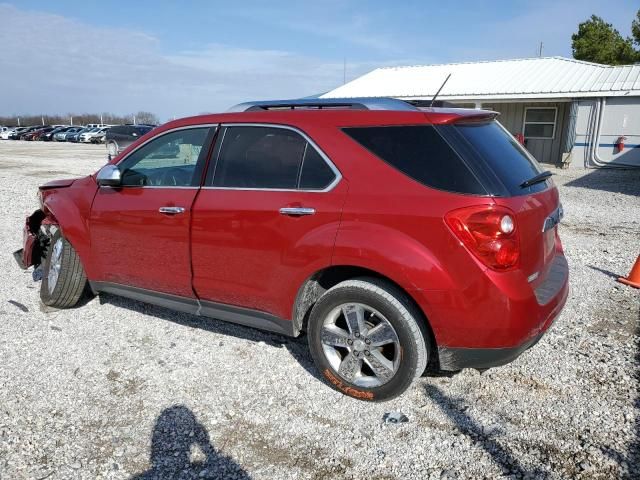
489 232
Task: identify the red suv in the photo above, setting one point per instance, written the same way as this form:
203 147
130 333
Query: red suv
399 238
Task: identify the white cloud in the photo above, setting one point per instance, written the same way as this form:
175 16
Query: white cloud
53 64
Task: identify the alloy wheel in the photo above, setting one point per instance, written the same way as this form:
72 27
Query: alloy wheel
55 265
361 345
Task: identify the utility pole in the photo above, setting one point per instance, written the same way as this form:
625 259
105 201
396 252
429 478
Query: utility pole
42 118
18 121
541 49
71 120
101 122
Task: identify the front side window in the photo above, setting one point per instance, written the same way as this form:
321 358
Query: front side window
269 158
167 161
540 122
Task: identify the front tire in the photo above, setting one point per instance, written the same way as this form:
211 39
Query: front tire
64 279
366 339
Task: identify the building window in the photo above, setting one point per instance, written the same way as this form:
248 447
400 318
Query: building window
540 122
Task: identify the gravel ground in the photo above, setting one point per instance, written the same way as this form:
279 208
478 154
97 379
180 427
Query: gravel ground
119 389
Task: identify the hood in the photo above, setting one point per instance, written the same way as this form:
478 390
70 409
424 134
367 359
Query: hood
58 184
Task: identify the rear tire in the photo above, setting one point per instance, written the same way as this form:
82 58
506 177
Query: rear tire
64 279
366 340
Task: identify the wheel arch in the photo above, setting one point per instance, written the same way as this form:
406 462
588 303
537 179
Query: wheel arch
322 280
70 215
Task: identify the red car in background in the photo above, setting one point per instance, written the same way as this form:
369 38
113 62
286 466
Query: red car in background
399 238
36 134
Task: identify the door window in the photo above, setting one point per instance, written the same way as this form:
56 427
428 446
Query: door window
257 157
316 173
167 161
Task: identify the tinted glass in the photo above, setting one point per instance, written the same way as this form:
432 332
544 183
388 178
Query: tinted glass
259 157
316 173
166 161
421 153
504 155
541 115
538 130
142 130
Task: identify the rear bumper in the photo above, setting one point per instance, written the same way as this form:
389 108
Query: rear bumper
454 359
516 323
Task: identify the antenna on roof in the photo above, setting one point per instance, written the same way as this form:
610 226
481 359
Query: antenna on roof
438 92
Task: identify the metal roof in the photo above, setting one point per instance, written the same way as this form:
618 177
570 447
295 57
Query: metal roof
547 77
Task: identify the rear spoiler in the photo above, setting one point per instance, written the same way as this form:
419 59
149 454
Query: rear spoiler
482 116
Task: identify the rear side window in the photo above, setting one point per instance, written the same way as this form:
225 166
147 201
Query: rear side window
316 173
504 156
269 158
421 153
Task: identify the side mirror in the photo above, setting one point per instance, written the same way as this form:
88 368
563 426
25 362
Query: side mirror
109 176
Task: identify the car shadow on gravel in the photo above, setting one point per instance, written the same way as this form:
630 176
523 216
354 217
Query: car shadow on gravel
501 455
297 347
177 434
625 181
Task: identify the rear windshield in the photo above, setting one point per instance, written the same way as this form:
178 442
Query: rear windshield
421 153
504 156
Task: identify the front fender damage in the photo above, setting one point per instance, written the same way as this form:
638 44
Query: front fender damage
35 239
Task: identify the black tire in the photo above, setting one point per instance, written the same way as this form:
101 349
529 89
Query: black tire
71 280
398 310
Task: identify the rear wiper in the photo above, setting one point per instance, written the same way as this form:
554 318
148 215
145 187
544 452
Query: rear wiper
541 177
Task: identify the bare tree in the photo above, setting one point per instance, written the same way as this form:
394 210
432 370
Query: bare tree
79 119
147 117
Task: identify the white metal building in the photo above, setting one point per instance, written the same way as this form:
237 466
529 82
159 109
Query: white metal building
569 111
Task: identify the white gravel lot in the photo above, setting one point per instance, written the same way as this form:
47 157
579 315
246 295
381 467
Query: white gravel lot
120 389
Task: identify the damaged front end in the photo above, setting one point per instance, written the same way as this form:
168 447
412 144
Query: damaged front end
35 240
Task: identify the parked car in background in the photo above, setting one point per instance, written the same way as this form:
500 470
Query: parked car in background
15 133
28 131
5 132
99 138
18 132
9 134
36 134
61 136
121 136
86 137
48 136
75 136
400 239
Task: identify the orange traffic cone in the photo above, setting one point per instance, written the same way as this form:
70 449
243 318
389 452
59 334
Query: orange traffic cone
634 276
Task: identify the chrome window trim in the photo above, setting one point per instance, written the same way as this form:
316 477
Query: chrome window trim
324 156
166 132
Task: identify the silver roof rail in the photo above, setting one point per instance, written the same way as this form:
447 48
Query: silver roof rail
360 103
